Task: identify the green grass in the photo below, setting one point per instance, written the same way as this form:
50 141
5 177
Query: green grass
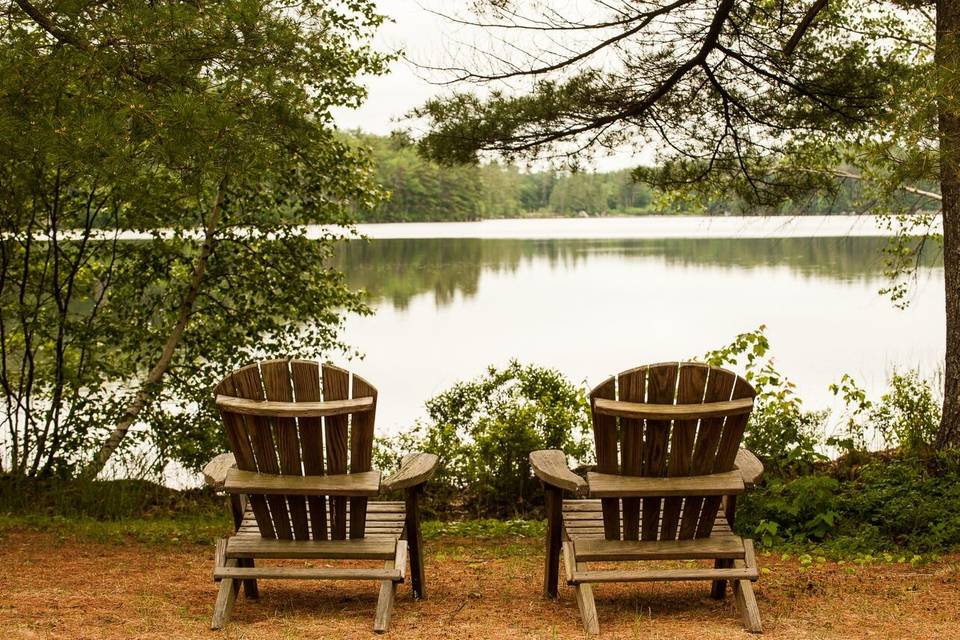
485 529
185 529
133 511
205 528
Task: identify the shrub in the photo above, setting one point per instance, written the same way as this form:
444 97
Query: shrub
889 503
907 416
484 430
780 431
800 509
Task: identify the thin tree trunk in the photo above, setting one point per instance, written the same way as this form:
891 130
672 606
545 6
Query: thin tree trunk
948 112
149 384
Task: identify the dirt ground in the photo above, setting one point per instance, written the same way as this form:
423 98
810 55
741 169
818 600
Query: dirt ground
52 588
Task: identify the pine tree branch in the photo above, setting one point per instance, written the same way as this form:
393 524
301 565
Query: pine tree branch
803 27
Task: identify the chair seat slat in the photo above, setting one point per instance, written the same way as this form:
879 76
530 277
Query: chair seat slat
728 547
656 575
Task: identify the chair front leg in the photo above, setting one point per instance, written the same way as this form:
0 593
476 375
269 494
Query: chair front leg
415 541
551 570
718 590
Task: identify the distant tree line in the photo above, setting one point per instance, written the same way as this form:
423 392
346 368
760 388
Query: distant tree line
423 190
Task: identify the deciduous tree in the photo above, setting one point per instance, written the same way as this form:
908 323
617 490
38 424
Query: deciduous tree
201 130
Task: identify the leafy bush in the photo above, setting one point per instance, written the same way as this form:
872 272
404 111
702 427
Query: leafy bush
484 430
907 416
780 431
800 509
906 497
912 502
891 503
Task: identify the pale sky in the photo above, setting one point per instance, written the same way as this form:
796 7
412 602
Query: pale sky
428 39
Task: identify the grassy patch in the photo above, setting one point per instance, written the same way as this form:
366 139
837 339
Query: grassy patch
485 529
104 499
205 528
184 529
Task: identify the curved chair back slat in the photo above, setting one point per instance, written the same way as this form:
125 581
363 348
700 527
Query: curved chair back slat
645 438
324 439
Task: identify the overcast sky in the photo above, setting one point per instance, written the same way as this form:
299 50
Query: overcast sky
426 38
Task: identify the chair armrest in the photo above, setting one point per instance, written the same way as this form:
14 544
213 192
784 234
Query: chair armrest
749 466
550 466
215 471
415 469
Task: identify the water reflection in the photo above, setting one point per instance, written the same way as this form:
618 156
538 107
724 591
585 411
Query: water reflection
396 270
448 307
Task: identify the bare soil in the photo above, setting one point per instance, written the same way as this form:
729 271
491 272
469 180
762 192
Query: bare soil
53 588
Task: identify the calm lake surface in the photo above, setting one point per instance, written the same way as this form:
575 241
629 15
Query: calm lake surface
591 297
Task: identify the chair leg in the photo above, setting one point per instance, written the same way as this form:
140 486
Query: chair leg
388 590
229 587
551 569
226 596
718 589
250 589
747 604
583 592
588 608
381 622
415 543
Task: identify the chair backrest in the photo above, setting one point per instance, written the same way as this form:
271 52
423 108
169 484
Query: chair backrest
702 442
298 446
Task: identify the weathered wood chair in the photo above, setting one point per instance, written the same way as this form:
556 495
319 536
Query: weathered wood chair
668 458
302 441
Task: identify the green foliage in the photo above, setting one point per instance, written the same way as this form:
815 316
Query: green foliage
750 101
780 431
799 509
907 416
891 504
103 499
484 430
484 528
184 528
864 502
201 131
420 190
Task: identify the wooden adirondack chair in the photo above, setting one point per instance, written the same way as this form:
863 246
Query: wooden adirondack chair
669 468
302 441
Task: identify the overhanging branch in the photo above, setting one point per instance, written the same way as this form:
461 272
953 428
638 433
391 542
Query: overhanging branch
803 27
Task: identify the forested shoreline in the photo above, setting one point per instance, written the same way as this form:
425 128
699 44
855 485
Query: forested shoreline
421 190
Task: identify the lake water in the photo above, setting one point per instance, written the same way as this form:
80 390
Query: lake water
591 297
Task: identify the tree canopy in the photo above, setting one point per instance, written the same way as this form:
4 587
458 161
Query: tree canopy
764 100
205 130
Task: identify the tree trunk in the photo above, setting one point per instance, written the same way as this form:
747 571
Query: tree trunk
948 113
150 383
